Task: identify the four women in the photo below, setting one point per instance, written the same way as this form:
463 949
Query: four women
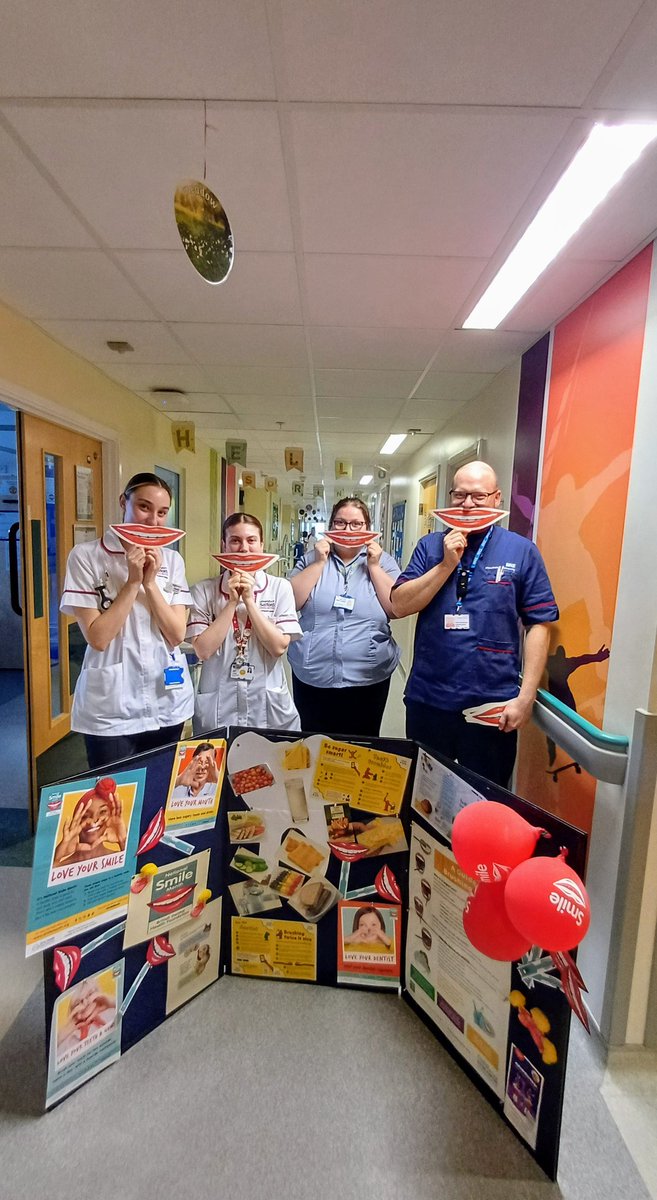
130 601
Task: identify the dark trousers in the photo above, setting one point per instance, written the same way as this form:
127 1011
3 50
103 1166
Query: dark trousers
348 711
104 750
487 751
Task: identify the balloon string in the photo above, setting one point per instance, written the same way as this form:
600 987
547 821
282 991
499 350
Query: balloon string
205 140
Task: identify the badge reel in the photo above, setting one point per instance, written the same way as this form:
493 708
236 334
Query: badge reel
174 677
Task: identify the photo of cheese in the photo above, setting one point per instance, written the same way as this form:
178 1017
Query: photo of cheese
296 758
302 854
382 832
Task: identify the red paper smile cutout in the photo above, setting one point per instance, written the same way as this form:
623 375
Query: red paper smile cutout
469 520
350 539
66 960
172 901
147 535
246 561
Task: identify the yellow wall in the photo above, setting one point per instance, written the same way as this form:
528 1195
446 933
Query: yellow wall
66 389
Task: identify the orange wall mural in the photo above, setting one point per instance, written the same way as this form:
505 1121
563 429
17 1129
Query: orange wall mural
591 407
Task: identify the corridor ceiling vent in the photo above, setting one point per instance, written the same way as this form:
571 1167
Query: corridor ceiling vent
204 230
608 152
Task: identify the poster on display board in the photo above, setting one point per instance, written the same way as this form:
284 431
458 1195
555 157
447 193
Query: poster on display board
328 862
507 1022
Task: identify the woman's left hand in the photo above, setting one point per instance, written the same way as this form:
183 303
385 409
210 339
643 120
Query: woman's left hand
374 553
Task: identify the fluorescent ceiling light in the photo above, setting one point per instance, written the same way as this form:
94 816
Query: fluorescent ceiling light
365 479
607 154
394 441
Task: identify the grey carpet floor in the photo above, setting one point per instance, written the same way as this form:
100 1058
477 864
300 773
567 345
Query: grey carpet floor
284 1091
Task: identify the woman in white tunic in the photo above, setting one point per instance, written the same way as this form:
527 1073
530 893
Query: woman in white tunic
134 692
241 626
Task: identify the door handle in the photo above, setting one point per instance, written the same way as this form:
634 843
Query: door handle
14 586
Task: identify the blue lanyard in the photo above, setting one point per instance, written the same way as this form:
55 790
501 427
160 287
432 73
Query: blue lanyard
464 574
344 571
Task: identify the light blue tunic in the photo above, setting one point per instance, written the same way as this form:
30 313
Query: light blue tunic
342 648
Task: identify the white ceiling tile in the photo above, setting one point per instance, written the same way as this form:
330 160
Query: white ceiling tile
373 181
484 350
388 290
287 407
118 163
133 48
151 341
633 83
245 163
261 288
427 415
144 377
68 284
458 51
371 349
241 345
387 384
46 220
627 217
192 404
452 385
382 411
267 381
561 287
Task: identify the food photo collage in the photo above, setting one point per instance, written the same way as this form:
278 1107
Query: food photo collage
317 859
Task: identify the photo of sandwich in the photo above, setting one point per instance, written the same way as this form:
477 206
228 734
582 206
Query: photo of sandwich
315 899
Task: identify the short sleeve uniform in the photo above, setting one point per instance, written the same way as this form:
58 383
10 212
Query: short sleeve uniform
264 700
121 690
509 588
344 647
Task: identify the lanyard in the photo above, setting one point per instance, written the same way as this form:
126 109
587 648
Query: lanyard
464 574
241 639
345 572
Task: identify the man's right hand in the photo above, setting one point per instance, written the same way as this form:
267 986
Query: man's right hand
454 543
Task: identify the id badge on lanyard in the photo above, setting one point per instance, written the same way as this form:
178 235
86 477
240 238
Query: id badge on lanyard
174 674
241 668
461 620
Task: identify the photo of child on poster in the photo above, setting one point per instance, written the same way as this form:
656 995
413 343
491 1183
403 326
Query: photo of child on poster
368 943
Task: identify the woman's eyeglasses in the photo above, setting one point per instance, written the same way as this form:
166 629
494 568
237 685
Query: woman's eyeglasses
353 525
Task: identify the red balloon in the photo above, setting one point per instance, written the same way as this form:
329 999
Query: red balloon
547 901
488 927
490 839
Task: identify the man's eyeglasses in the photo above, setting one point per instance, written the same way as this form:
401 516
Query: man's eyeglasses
459 497
353 525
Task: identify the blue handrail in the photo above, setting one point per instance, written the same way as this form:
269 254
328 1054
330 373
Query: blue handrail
608 741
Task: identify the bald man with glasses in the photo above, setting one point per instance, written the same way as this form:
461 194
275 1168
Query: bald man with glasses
474 593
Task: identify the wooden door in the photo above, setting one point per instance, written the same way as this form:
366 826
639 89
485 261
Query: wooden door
426 522
61 475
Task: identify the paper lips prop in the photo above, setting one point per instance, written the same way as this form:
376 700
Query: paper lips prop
548 903
147 535
469 520
349 539
488 927
490 839
246 561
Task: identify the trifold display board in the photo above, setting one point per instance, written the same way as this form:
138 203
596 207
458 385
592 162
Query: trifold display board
286 857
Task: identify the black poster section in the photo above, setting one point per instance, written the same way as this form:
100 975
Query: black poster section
309 873
507 1024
